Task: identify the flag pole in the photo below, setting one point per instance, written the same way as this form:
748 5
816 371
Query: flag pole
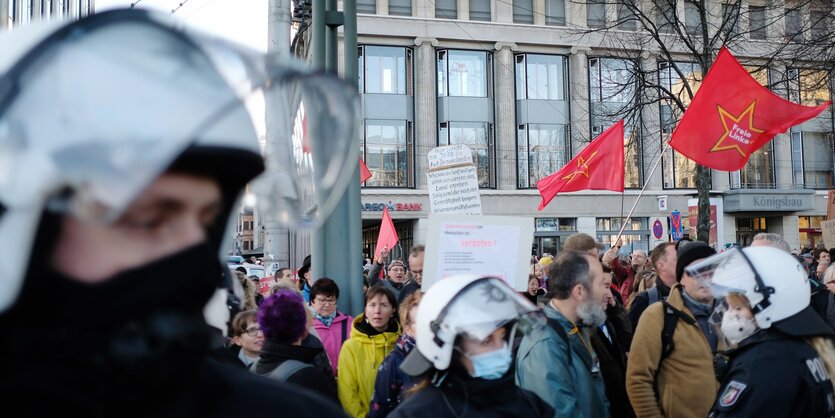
641 193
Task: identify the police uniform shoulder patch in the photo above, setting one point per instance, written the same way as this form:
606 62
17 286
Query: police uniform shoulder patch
731 394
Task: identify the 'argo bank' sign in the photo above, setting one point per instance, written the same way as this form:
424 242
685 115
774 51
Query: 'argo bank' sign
393 207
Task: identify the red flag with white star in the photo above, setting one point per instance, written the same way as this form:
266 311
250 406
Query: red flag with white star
599 166
732 116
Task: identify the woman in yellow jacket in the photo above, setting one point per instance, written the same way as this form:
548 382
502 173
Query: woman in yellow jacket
373 336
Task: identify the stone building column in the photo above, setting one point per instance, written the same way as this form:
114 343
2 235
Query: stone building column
426 105
652 142
578 69
505 115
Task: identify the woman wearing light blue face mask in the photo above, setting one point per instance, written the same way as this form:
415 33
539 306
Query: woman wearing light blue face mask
464 329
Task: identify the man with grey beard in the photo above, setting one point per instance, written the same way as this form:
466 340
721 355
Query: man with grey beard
557 362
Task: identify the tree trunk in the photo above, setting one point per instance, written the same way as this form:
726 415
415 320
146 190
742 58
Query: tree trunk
703 183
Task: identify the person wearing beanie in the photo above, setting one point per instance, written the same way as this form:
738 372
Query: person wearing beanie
395 278
305 279
283 319
680 382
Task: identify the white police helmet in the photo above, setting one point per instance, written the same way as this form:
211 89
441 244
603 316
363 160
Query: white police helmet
468 305
92 111
772 281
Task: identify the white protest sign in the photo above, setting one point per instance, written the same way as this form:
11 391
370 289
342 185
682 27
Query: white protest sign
452 181
828 232
498 246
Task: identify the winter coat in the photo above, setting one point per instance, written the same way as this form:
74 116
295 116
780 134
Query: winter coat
392 383
542 366
613 368
359 359
686 384
334 336
775 375
411 286
625 276
273 354
466 397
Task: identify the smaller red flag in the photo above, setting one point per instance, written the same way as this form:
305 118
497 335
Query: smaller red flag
388 236
732 116
599 166
365 173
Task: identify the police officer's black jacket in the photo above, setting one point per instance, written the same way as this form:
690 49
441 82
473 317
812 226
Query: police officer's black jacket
775 375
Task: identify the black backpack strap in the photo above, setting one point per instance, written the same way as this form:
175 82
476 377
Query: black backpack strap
557 327
671 317
344 330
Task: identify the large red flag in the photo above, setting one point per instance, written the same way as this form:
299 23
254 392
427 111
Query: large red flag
732 116
388 236
365 173
599 166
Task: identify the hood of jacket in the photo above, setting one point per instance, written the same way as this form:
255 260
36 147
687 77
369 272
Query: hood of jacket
359 331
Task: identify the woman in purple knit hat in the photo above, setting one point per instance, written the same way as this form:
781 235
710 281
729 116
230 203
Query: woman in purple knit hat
284 320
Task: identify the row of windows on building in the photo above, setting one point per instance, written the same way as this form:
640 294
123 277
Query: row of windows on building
21 12
752 20
542 148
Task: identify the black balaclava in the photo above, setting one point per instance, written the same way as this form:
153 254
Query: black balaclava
130 341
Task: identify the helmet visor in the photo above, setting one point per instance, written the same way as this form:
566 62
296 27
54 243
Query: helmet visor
484 306
727 272
140 92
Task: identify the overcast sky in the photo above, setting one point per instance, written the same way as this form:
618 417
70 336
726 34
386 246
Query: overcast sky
244 21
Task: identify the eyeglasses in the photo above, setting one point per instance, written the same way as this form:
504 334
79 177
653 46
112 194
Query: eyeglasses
252 332
329 301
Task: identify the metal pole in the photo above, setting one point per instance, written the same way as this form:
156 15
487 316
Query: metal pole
646 182
336 246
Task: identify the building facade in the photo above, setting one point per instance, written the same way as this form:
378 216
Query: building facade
15 13
514 81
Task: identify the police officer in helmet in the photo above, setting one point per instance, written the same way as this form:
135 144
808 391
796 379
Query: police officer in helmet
124 145
784 356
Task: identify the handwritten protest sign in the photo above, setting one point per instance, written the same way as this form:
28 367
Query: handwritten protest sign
828 231
498 246
452 181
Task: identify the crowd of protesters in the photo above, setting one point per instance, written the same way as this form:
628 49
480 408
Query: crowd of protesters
635 335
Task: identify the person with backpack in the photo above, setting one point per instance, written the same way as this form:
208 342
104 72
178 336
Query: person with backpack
558 362
283 320
784 358
333 327
670 371
663 260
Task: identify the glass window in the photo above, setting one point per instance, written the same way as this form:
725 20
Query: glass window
817 160
543 150
797 158
820 20
679 172
692 18
388 152
367 6
635 235
479 137
555 12
596 13
480 10
626 15
612 80
758 173
730 19
400 7
540 77
462 73
555 224
446 9
794 24
523 11
385 70
756 22
665 11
